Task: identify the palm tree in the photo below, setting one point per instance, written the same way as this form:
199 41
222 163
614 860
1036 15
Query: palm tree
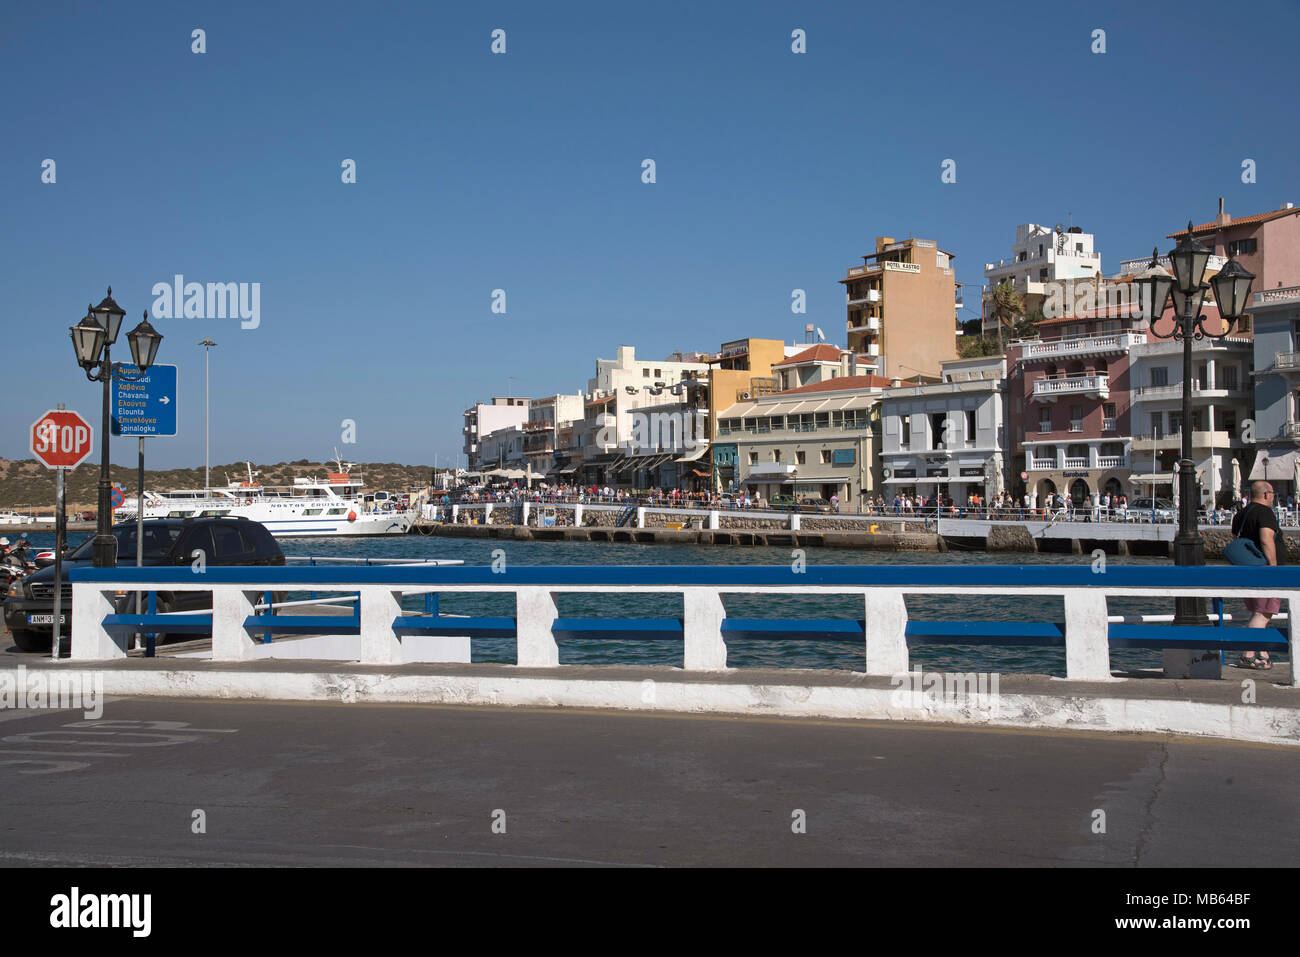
1005 304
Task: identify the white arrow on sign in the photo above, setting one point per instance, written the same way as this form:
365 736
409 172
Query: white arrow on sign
165 400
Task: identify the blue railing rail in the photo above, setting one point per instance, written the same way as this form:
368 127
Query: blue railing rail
1087 633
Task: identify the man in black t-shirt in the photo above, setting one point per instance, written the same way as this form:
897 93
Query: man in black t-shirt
1258 523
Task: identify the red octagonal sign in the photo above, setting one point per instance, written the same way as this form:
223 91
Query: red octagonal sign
61 439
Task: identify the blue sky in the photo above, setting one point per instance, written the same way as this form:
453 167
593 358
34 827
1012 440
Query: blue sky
522 172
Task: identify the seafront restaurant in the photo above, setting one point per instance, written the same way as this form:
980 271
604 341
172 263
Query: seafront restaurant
817 441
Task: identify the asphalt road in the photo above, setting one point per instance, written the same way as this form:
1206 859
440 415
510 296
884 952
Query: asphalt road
331 784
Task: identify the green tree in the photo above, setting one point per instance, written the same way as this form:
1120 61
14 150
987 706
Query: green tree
1005 305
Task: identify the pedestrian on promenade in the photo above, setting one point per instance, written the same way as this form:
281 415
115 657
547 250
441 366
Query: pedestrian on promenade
1257 522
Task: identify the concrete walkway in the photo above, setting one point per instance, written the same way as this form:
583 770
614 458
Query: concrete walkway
319 784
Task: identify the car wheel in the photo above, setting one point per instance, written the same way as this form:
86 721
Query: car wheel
32 641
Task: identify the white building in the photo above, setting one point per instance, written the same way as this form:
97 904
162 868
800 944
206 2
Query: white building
548 416
1222 400
629 371
484 418
503 448
950 436
1041 254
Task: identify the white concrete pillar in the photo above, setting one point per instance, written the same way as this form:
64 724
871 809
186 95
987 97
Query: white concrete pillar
794 521
380 606
577 516
1087 640
90 642
455 513
527 505
487 514
231 605
535 614
640 516
886 632
702 614
713 519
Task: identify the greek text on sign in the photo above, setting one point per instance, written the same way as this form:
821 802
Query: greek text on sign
144 406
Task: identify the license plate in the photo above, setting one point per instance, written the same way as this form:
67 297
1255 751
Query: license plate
46 619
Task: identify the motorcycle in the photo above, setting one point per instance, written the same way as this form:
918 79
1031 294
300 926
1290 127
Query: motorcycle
14 563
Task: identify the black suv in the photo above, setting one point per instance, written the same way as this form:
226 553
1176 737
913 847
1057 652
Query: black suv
29 605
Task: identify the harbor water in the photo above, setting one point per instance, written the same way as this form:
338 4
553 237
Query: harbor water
787 653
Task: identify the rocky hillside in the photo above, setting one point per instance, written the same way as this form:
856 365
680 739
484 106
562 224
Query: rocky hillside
27 484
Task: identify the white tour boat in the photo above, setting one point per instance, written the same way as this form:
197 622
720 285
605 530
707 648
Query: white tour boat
308 508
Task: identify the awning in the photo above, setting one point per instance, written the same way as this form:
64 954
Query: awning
694 456
702 473
1270 466
769 480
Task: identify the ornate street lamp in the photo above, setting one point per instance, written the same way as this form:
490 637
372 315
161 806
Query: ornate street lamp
93 335
1187 290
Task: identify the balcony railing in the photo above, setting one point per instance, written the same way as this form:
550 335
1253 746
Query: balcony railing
1077 463
539 425
1292 430
1088 345
1288 360
1285 294
1072 385
872 295
1040 465
1155 392
1112 461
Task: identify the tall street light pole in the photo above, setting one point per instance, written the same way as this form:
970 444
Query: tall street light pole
1187 289
207 345
92 336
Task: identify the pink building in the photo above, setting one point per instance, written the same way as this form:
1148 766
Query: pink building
1068 397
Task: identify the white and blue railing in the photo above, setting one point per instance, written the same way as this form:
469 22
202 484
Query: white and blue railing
885 630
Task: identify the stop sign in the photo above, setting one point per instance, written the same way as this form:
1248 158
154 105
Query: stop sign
61 439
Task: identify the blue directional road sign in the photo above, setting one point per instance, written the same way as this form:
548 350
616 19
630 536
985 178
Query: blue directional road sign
146 406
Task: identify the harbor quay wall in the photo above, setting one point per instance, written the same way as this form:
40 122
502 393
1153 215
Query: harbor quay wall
666 525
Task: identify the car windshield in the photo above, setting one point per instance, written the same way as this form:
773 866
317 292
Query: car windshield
158 541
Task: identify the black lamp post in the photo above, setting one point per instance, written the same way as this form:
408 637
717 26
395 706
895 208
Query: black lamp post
1187 289
93 335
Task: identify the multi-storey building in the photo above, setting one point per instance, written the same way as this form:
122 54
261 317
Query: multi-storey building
547 416
502 449
484 418
901 308
1222 402
813 441
1041 255
1068 396
1276 314
947 437
1267 244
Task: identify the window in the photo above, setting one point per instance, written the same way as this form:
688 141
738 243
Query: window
1157 430
906 440
1040 249
645 373
1243 247
1108 417
1076 418
1078 247
1159 375
753 458
1203 376
970 426
1044 420
799 458
776 456
1198 421
1229 423
826 456
1229 375
1243 324
1175 423
938 430
659 373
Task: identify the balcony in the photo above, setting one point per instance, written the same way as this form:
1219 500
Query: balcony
1112 461
539 425
1201 439
1108 425
1134 267
1093 386
1156 443
1155 393
1040 465
1118 343
1272 296
1077 463
869 324
872 296
1291 430
1287 361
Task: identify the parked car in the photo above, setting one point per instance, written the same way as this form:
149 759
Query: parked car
814 505
87 516
29 603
